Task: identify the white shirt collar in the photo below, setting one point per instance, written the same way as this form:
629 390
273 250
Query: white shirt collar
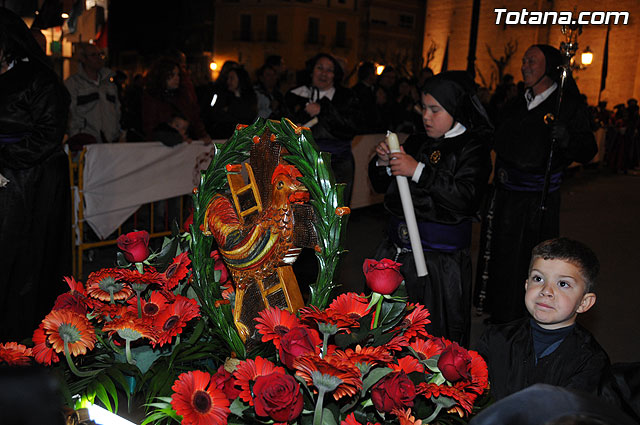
313 94
457 130
535 100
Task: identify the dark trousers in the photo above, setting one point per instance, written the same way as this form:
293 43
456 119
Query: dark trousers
445 291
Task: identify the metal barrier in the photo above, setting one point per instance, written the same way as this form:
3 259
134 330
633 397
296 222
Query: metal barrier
80 232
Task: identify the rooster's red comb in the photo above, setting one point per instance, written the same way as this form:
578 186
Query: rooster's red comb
289 170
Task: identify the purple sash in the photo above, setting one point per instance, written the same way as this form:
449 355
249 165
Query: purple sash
12 138
434 236
520 181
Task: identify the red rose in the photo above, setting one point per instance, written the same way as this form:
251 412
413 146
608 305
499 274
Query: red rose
296 342
226 382
382 276
135 246
278 396
220 265
454 363
394 391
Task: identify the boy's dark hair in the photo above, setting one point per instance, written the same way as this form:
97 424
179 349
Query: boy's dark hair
571 251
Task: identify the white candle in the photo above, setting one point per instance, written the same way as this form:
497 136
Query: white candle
409 213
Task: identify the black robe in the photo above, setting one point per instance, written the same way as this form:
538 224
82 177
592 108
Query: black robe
578 363
338 122
448 192
522 143
35 206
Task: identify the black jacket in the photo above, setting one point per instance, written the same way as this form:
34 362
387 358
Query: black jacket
579 362
522 138
339 118
452 182
34 106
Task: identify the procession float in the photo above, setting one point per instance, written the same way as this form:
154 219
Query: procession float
213 328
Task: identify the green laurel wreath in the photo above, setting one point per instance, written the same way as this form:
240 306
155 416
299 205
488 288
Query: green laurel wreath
326 197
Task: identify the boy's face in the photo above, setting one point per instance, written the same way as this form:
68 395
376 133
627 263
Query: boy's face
555 293
435 118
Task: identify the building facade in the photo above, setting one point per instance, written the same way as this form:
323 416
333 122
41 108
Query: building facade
452 20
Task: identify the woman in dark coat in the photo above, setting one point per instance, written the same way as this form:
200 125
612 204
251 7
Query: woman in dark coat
337 112
35 206
165 97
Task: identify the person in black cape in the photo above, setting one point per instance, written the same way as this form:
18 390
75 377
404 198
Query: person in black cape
448 169
514 223
35 215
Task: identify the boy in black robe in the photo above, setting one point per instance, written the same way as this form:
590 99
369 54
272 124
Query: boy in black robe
549 347
447 169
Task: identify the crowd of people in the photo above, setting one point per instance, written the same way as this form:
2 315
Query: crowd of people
532 282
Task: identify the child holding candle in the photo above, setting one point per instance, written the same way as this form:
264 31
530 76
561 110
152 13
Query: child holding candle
447 168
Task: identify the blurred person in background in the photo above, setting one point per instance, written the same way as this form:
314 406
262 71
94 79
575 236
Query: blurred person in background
95 105
235 103
336 112
164 99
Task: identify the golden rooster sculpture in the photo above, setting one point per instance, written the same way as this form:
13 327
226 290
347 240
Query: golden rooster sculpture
259 252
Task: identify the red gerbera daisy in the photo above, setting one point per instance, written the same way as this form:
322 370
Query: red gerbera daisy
198 400
432 390
405 417
131 328
43 351
70 329
349 305
247 371
140 281
274 323
368 355
75 302
177 270
75 287
425 349
397 343
106 285
76 299
170 321
350 420
330 368
156 303
479 375
407 364
106 312
313 316
414 323
15 354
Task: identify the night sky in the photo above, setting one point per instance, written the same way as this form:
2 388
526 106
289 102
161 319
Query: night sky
151 27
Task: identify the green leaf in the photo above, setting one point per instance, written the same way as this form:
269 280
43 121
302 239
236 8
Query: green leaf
444 401
237 407
432 364
110 389
327 417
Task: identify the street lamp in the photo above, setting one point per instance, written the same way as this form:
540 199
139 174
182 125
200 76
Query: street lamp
586 57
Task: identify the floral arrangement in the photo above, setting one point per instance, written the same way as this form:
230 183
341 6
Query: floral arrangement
160 325
362 360
123 327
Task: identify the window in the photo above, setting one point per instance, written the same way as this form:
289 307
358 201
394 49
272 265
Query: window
245 27
406 21
272 27
313 36
341 34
